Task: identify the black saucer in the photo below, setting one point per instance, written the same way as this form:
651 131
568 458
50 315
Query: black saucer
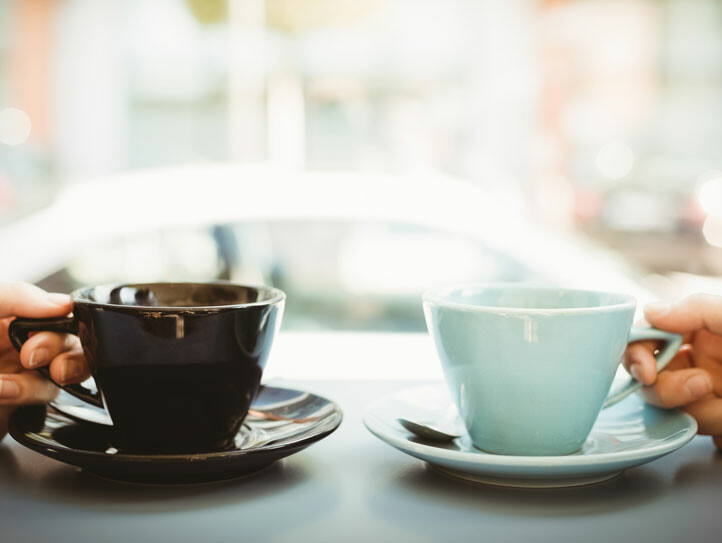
259 443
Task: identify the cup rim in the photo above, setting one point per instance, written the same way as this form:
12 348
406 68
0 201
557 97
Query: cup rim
276 295
436 296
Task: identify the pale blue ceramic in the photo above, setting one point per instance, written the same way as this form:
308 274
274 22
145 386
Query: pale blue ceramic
529 368
629 434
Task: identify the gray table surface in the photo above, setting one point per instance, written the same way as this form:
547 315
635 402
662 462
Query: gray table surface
353 487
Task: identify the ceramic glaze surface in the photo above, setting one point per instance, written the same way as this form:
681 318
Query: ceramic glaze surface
628 434
528 368
262 439
177 365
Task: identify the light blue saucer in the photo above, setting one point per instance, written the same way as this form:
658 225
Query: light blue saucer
628 434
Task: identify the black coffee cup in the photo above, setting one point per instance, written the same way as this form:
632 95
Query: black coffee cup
177 365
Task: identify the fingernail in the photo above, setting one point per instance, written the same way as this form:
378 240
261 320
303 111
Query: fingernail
657 309
38 357
636 371
698 385
71 370
8 389
58 298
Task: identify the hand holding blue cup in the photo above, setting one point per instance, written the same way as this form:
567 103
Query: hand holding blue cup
530 368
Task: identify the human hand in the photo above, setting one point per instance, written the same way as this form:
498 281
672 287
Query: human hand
18 384
692 381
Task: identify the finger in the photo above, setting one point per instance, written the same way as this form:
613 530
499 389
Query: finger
677 388
41 348
682 360
4 339
69 367
10 362
695 312
708 414
27 387
708 356
639 361
26 300
687 337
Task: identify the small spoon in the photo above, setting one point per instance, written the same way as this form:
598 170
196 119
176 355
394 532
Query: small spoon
426 431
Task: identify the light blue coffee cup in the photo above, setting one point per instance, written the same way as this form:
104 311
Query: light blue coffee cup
529 368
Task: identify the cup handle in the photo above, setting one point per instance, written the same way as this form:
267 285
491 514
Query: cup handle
19 331
666 353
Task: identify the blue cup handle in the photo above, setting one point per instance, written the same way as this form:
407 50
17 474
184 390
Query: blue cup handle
666 353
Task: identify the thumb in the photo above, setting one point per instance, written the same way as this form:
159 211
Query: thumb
26 300
695 312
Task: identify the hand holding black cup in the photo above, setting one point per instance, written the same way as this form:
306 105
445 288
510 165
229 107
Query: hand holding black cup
177 365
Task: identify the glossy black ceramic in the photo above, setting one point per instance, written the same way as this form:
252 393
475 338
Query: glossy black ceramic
177 365
283 422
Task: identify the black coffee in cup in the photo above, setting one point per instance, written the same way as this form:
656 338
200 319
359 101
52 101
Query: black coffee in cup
177 365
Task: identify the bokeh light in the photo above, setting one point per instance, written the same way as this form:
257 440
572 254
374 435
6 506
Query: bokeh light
709 195
614 160
712 230
15 126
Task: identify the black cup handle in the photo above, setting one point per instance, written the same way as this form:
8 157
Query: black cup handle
20 330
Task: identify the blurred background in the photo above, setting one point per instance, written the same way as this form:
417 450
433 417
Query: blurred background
357 153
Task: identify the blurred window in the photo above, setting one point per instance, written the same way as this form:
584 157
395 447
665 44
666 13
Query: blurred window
591 116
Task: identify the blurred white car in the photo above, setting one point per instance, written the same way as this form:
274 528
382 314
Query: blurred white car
352 250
